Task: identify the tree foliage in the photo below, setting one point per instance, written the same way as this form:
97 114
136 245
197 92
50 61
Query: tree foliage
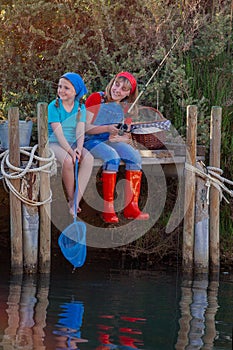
40 40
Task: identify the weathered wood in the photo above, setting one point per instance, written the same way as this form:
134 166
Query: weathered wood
30 190
201 233
189 196
215 152
45 209
15 203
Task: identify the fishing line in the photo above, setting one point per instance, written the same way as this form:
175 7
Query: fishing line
122 126
155 72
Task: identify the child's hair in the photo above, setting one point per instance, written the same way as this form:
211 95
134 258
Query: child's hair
57 101
132 96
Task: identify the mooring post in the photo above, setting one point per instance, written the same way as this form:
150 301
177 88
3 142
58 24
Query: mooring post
201 232
215 151
30 190
15 203
189 196
45 209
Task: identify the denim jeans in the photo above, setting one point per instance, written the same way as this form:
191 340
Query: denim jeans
113 152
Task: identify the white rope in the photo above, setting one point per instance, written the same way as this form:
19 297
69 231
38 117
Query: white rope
212 178
14 172
24 199
19 172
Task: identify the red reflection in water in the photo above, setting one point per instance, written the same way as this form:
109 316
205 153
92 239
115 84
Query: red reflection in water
128 341
108 332
132 319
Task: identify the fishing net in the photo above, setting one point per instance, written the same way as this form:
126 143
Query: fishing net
72 240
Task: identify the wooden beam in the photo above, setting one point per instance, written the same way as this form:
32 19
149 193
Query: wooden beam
45 209
201 233
189 196
15 203
215 152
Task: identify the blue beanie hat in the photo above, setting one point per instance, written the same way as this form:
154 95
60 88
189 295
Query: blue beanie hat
77 83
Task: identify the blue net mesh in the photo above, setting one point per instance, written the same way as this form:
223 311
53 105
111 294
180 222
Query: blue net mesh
72 242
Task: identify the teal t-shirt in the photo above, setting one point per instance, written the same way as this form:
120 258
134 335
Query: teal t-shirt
68 120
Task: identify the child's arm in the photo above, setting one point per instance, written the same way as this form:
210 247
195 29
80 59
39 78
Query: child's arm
57 129
80 131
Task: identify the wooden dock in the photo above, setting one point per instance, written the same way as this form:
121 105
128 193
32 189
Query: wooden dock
172 159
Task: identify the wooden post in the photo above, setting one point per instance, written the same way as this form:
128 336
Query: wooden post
201 233
189 197
45 209
215 151
30 190
15 203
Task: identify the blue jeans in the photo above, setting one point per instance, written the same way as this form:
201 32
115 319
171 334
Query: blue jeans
113 152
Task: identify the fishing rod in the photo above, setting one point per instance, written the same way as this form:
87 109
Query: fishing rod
155 72
123 127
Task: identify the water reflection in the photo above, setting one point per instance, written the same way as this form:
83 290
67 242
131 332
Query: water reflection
128 337
69 325
94 311
198 307
26 308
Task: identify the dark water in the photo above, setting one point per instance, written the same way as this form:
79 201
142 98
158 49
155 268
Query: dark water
98 308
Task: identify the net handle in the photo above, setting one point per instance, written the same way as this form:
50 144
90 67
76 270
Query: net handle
76 189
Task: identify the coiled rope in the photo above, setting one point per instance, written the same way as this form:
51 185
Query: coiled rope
14 172
213 177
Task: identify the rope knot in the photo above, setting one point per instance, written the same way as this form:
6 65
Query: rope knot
10 172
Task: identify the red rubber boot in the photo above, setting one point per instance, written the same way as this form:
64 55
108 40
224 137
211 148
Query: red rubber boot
132 192
109 182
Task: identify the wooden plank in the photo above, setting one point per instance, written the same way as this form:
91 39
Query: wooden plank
30 217
189 200
215 152
15 203
201 233
45 209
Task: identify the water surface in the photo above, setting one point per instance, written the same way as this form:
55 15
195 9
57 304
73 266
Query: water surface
99 308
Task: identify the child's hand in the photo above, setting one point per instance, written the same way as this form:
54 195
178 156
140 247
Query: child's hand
120 138
76 154
112 129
